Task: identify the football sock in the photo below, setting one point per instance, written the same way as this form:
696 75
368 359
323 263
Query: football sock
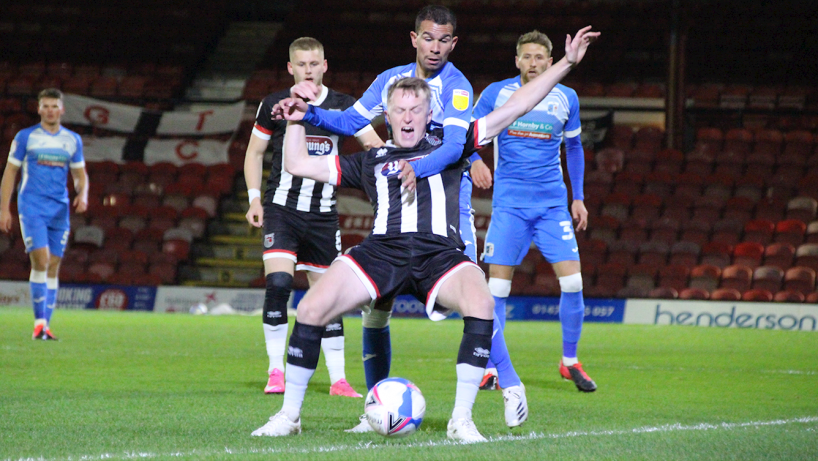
572 313
332 344
377 346
500 289
506 375
274 316
302 359
475 348
52 285
38 293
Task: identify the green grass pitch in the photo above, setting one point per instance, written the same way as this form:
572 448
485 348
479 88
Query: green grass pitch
174 386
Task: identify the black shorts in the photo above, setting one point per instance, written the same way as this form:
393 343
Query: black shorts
415 264
310 240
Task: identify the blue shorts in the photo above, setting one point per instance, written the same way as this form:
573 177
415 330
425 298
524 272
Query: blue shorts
467 218
512 229
46 230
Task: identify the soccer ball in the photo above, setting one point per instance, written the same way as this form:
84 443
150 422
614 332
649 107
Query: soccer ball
395 407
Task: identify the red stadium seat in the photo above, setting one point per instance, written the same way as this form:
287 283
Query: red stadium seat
178 248
725 294
748 254
800 279
789 296
684 253
759 230
737 277
663 293
790 231
705 276
674 276
807 255
694 293
716 254
757 294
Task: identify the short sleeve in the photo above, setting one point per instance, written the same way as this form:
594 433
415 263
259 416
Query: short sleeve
345 170
78 159
264 125
18 149
573 127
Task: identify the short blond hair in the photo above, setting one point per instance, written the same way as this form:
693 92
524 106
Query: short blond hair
52 93
305 44
417 86
537 37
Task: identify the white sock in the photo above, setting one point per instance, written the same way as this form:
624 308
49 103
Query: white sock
468 383
275 337
333 349
297 379
490 371
569 361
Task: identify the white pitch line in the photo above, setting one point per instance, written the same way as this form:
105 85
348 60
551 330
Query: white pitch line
429 443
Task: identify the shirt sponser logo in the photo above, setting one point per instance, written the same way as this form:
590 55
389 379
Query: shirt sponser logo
480 352
333 327
51 160
529 134
319 145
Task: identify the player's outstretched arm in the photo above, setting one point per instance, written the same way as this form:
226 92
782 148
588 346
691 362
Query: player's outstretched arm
253 167
80 177
297 159
530 94
6 190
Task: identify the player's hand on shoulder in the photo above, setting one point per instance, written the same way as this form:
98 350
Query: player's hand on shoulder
480 174
255 215
407 175
580 214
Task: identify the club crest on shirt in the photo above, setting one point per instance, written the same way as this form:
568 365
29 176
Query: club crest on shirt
390 169
433 140
460 99
269 239
552 107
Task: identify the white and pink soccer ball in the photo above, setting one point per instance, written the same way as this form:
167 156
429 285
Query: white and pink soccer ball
395 407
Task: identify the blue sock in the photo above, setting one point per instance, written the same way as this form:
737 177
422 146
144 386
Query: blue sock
500 318
506 375
569 349
377 354
38 299
572 313
50 304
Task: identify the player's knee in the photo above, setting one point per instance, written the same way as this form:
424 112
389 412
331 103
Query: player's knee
571 283
376 319
276 297
499 287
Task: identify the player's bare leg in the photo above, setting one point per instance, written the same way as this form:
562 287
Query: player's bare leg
467 292
338 291
332 345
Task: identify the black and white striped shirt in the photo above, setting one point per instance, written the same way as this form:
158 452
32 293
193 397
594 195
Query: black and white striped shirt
432 208
292 191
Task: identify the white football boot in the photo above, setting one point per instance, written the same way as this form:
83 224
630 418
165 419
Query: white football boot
363 426
279 425
516 405
464 430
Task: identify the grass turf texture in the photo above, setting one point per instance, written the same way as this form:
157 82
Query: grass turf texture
140 385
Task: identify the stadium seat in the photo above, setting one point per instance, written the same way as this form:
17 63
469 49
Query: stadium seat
738 140
616 205
750 186
646 206
709 140
653 253
544 285
674 276
119 239
768 142
684 253
627 183
610 160
164 271
92 236
800 279
738 277
669 161
161 224
748 254
176 201
623 253
133 223
725 294
802 209
807 255
663 292
178 248
104 222
789 296
716 254
696 231
694 293
771 209
757 294
634 230
102 269
665 229
768 278
739 209
797 147
727 231
659 183
705 276
779 255
790 231
759 230
649 139
208 203
604 228
133 256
